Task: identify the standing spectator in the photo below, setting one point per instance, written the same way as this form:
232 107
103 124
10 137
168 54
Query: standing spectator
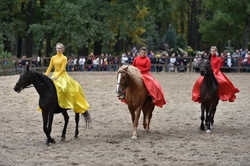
157 61
116 63
130 58
70 64
152 58
96 63
109 61
89 63
172 62
235 59
134 50
180 63
81 63
124 59
229 62
38 60
186 61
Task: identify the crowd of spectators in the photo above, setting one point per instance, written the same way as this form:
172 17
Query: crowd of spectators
239 60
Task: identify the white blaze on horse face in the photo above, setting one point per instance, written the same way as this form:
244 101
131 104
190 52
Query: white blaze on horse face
118 82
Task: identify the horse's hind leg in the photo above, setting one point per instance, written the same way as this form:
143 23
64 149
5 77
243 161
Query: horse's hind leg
77 122
148 108
150 115
66 120
202 127
144 120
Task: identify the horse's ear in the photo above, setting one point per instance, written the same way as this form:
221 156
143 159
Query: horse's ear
126 68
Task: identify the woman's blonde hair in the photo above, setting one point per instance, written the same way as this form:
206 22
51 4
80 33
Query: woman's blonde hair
60 45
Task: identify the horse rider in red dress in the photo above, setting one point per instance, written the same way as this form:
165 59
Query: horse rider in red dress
142 62
226 88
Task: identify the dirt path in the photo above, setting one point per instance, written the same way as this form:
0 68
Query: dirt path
175 138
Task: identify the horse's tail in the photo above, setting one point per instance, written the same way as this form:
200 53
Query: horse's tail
87 119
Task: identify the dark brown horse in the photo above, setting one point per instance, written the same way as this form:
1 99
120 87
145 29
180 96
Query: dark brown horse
208 94
129 80
48 102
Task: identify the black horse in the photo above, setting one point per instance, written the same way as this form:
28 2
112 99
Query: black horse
48 101
208 94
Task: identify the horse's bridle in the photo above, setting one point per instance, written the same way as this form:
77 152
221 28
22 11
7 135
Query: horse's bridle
119 79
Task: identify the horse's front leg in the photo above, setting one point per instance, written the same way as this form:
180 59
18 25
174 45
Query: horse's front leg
202 127
50 117
208 118
136 121
213 113
66 120
77 122
45 123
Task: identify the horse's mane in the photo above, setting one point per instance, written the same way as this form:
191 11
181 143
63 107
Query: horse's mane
45 79
133 72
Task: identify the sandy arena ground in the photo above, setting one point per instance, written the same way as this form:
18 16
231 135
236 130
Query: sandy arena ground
174 139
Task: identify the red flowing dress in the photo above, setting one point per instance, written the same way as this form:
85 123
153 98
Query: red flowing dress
152 85
226 88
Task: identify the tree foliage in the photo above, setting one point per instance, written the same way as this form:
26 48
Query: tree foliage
29 27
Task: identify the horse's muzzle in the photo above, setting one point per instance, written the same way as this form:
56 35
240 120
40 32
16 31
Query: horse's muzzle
18 90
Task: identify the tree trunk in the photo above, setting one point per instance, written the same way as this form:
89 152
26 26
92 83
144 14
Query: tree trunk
29 45
29 38
48 46
194 37
19 47
246 33
83 51
7 44
182 22
98 48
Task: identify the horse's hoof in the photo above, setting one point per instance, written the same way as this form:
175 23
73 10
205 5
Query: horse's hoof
208 131
52 141
76 136
202 128
212 127
134 137
63 139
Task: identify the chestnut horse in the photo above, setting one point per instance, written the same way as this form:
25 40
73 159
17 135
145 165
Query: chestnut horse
130 81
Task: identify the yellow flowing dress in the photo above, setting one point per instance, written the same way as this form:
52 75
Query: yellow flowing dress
69 92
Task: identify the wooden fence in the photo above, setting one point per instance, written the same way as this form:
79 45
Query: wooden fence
13 67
